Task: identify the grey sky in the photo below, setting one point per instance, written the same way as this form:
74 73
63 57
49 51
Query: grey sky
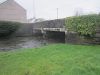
47 8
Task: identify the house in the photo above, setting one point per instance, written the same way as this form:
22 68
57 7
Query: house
10 10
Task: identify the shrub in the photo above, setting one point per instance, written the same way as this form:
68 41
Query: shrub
84 25
7 28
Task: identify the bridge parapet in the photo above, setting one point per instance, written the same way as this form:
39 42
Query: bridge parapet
58 23
51 29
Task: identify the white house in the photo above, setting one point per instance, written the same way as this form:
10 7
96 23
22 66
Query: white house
10 10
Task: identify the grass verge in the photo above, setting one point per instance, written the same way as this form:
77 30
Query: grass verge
58 59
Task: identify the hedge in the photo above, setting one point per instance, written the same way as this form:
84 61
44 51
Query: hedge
84 25
7 28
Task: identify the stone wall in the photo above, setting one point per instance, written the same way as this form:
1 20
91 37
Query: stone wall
74 38
24 30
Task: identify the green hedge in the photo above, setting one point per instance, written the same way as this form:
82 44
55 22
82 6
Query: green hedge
7 28
84 25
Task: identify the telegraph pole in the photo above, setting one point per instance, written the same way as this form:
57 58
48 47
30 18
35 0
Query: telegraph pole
34 11
57 13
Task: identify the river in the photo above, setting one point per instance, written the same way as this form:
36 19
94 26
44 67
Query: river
15 43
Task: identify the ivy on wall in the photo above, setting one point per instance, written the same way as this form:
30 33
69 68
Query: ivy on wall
84 25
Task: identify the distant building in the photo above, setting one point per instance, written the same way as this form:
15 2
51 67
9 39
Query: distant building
34 20
10 10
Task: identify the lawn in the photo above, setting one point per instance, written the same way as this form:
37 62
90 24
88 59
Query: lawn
58 59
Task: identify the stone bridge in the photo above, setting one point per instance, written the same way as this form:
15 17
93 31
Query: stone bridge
29 29
55 28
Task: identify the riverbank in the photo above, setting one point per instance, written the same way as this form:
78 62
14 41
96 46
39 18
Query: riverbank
57 59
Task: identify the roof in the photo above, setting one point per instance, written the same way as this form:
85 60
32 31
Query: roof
11 2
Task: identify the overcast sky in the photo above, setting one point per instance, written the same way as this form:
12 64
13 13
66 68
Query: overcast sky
47 9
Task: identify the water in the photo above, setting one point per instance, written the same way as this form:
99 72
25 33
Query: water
14 43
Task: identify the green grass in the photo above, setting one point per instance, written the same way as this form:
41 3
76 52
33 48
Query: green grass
56 59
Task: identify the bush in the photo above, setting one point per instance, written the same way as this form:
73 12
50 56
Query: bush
7 28
84 25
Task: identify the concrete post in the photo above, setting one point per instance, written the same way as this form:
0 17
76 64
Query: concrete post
44 36
65 35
